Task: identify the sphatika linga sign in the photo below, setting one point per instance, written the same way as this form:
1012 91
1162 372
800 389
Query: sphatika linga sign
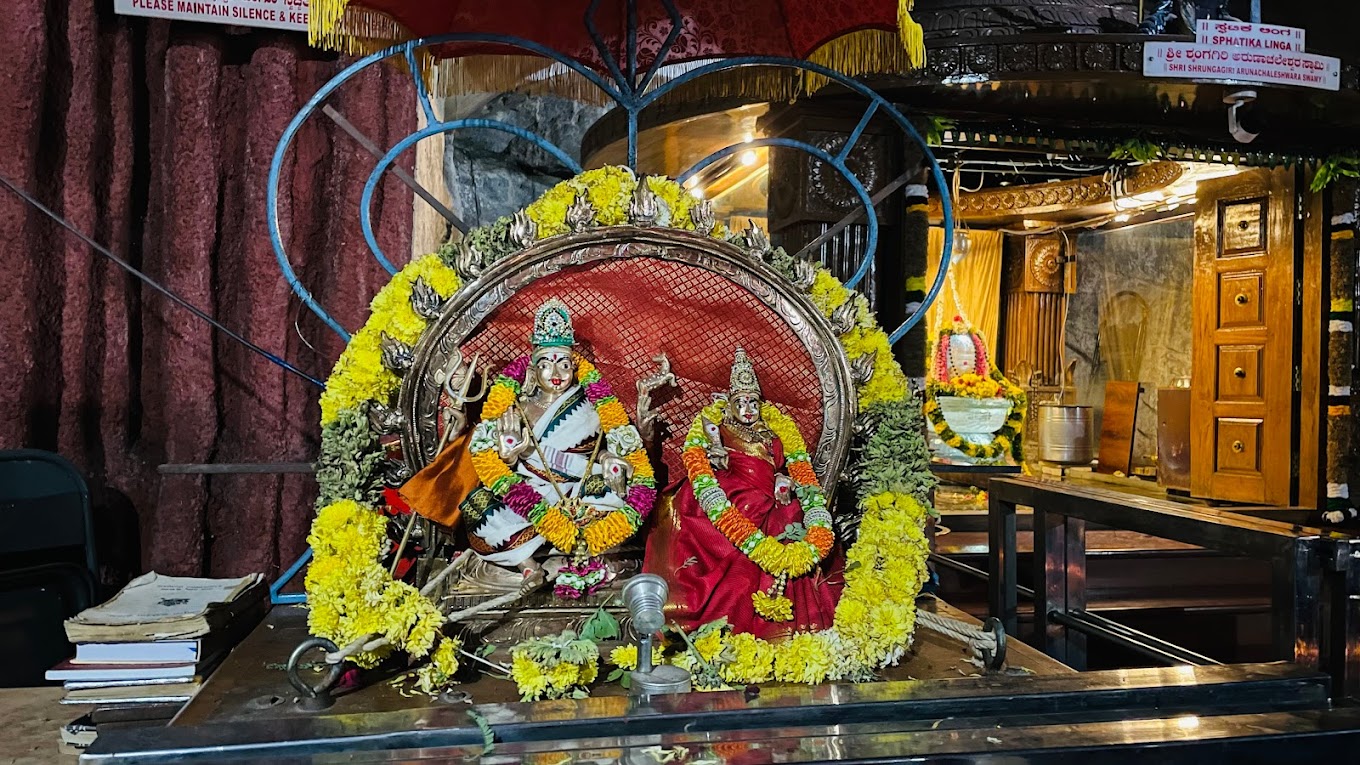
1239 52
279 14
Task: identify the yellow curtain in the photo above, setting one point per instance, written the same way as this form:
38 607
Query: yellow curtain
977 281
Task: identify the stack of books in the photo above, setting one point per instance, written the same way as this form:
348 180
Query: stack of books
147 651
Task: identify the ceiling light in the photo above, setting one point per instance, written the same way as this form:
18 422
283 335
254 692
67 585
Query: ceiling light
692 182
696 192
748 137
748 157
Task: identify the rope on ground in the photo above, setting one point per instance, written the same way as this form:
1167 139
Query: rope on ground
984 645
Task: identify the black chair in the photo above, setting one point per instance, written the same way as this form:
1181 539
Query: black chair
48 567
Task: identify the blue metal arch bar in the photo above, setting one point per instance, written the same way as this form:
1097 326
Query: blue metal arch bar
406 50
837 162
366 201
877 102
633 101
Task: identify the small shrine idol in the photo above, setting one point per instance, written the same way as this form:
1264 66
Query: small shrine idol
749 534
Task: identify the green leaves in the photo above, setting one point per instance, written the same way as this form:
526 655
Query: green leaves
935 128
794 532
483 725
563 647
1138 150
347 467
895 456
1335 167
600 626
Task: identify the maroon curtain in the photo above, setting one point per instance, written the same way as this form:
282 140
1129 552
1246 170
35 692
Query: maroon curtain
155 138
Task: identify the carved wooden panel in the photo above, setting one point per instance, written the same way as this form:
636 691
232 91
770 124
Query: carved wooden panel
1031 322
1241 297
1043 264
1242 367
1239 447
1239 372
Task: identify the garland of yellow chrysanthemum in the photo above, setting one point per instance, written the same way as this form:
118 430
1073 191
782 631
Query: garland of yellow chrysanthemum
550 520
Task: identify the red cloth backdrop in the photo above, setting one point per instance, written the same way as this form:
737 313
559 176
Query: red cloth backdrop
155 138
792 28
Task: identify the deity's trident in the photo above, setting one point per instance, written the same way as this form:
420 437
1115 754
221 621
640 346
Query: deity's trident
461 398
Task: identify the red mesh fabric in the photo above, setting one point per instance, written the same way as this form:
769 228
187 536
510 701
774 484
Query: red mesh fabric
626 311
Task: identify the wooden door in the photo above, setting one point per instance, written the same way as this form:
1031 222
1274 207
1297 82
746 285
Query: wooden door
1243 367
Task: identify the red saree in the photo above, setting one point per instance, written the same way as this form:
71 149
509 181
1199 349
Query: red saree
710 578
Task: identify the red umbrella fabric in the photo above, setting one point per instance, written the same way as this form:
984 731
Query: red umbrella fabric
711 28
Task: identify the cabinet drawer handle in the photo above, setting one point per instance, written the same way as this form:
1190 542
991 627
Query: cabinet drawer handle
1238 446
1241 298
1239 373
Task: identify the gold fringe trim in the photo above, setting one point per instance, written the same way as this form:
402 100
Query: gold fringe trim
1338 411
1339 235
912 35
355 30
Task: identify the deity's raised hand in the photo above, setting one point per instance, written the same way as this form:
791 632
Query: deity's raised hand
513 440
783 489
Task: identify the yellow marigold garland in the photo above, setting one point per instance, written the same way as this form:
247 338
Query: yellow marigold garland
359 374
352 595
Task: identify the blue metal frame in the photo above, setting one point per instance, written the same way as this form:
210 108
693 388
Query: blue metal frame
633 93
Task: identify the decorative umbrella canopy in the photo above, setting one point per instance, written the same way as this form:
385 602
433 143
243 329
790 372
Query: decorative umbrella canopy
628 41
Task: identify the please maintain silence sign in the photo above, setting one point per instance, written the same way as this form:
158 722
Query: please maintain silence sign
1239 52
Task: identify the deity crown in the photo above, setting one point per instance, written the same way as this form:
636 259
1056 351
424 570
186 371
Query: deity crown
552 326
744 378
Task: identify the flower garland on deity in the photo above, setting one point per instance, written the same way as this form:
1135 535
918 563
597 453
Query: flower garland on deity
351 593
782 560
977 386
570 524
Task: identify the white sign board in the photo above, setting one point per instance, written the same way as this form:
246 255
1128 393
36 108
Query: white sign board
1239 52
278 14
1242 34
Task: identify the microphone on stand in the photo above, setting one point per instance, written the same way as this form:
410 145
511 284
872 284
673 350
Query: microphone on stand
645 597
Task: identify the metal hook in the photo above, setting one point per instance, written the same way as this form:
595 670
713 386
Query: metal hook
318 697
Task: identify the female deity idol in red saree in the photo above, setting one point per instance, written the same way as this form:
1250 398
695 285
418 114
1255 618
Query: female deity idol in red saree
748 534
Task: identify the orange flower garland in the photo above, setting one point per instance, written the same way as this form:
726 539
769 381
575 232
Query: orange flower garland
779 559
551 521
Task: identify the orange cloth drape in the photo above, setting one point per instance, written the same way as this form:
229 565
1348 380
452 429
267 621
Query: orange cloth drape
440 487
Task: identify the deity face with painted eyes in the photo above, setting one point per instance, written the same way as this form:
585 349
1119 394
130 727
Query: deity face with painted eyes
552 370
745 408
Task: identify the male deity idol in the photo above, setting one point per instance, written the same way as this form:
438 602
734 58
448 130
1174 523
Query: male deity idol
555 462
749 533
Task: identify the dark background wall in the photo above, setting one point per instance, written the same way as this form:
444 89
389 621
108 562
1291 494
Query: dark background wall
155 138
